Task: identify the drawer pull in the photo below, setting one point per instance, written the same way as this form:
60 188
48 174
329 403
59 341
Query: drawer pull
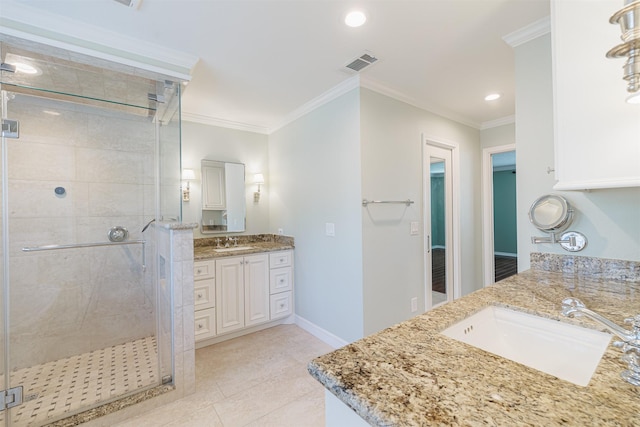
199 271
281 259
281 280
199 295
200 326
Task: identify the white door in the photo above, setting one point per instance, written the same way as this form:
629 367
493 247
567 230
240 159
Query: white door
256 289
439 248
499 224
229 294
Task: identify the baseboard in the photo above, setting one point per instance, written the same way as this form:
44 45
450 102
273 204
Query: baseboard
506 254
322 334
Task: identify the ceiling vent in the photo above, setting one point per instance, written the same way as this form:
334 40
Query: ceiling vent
362 62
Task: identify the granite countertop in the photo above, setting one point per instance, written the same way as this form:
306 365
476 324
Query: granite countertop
206 248
410 375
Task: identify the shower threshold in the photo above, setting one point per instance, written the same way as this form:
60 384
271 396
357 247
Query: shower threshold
60 388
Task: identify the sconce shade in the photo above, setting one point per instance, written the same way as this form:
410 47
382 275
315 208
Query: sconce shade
188 174
258 178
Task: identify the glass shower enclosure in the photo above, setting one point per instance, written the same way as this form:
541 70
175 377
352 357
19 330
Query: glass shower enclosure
90 156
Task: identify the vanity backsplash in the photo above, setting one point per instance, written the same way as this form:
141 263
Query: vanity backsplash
245 239
596 268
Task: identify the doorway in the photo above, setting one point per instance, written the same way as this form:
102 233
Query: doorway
499 213
441 224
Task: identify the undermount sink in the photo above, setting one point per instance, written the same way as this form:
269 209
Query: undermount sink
234 248
566 351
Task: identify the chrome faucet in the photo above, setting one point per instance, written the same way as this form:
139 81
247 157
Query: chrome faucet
226 243
630 344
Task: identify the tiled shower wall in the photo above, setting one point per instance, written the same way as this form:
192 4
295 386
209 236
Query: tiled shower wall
72 301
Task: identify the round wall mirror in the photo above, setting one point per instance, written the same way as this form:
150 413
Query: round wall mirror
551 213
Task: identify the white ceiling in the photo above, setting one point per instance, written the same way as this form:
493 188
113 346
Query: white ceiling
261 60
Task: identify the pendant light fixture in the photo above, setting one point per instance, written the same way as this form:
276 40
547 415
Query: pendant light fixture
629 20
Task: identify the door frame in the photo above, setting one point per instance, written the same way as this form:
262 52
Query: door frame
488 261
455 222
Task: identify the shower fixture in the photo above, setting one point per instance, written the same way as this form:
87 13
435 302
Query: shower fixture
629 19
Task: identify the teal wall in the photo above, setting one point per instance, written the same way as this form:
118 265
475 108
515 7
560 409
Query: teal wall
437 210
505 235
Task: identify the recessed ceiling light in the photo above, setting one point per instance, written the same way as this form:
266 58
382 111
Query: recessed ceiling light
355 18
492 97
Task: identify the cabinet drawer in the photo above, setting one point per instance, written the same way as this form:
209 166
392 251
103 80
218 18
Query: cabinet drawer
280 280
204 270
204 293
281 305
205 323
280 259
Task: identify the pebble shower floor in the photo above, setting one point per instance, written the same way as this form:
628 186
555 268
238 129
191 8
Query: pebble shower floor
83 381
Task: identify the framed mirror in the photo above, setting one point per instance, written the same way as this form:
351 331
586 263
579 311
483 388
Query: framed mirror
223 197
551 213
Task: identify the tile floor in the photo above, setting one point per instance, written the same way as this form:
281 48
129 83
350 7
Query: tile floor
256 380
55 389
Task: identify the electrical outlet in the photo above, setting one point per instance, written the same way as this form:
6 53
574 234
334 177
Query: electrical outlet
414 304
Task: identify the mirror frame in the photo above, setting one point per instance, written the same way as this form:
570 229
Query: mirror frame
562 222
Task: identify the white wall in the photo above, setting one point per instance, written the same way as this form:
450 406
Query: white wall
499 135
201 141
315 179
392 170
609 218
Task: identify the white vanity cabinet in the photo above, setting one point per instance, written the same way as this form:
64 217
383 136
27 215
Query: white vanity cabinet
204 287
281 284
242 292
596 131
237 295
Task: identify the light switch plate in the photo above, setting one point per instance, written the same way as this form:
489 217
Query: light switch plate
330 229
415 228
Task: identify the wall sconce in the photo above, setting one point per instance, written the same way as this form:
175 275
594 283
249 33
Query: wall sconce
629 19
257 179
187 175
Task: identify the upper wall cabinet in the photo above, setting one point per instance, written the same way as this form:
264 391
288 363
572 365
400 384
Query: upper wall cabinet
597 134
213 185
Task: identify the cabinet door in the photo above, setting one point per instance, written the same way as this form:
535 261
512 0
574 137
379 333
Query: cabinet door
229 294
596 131
213 188
256 289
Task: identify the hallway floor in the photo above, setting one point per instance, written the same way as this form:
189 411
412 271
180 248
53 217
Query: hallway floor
256 380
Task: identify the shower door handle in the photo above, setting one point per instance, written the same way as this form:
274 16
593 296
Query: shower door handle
428 244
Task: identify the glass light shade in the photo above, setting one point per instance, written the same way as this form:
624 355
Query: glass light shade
634 98
188 174
258 178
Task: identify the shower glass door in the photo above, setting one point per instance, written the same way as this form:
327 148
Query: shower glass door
79 184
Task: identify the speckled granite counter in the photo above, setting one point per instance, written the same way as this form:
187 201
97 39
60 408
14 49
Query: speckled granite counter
410 375
206 248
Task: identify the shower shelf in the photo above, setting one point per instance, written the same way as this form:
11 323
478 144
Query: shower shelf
81 245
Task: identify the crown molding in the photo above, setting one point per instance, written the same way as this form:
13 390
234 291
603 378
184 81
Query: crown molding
213 121
528 33
330 95
498 122
36 25
399 96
